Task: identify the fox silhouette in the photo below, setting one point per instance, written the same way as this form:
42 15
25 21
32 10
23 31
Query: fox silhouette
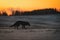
18 23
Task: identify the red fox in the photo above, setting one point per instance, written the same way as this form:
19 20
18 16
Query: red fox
18 23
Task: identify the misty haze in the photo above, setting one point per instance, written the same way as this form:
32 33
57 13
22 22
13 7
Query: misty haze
43 27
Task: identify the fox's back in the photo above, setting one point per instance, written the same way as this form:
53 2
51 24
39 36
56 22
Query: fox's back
22 22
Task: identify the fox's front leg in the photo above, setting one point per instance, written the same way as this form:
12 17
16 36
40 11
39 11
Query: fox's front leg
23 27
16 27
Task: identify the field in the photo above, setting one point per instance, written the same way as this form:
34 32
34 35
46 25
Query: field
29 34
43 27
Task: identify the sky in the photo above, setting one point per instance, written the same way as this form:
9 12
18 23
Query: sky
28 5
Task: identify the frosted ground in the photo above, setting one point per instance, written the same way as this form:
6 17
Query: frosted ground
29 34
46 27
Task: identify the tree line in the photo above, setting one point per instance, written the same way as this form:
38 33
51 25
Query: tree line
34 12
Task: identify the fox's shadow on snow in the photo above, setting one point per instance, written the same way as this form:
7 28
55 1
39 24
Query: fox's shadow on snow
18 23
